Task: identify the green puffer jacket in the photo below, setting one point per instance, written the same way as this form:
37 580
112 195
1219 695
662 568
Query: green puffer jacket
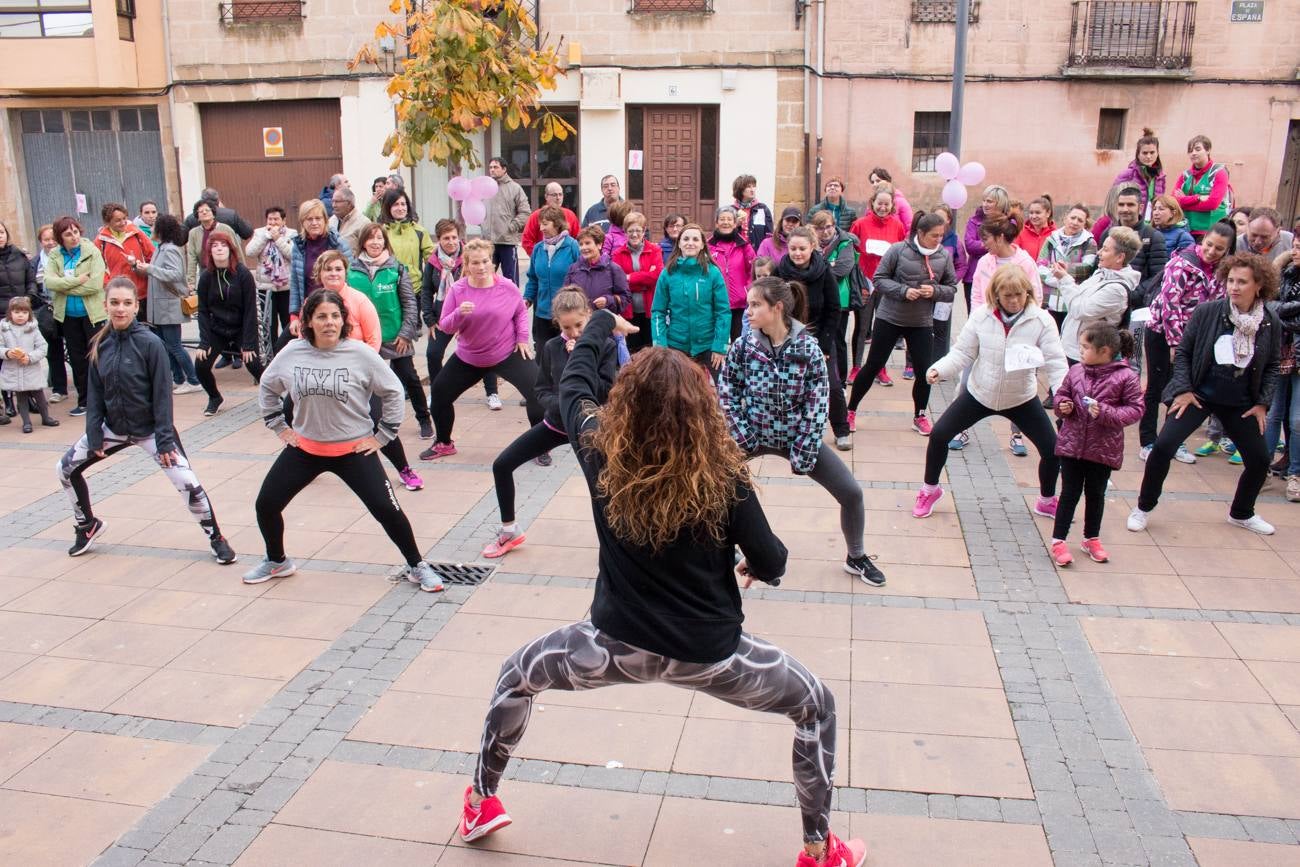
388 286
691 311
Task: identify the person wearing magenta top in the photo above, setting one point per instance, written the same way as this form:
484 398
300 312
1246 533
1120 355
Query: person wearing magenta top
1145 172
996 202
734 257
488 316
773 246
1203 191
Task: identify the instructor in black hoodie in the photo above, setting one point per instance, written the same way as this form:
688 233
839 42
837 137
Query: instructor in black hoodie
803 263
672 498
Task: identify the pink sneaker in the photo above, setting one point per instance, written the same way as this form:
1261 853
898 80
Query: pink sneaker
488 816
438 450
882 378
921 424
853 421
925 502
503 544
1061 554
411 479
1046 506
853 374
839 853
1092 547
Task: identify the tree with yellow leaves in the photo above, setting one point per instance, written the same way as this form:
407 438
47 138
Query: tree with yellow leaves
467 63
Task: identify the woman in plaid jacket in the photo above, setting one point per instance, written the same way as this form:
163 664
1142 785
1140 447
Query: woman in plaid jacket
775 393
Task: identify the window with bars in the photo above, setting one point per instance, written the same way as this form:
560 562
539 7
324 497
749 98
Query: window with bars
941 11
698 7
930 136
241 11
1110 129
36 19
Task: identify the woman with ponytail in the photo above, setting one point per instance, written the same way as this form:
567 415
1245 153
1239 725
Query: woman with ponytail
775 392
1145 172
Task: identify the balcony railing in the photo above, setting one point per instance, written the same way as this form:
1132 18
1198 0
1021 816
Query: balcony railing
1132 34
258 11
941 12
684 7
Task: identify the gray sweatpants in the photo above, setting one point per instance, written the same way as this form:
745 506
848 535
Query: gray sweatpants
835 476
758 676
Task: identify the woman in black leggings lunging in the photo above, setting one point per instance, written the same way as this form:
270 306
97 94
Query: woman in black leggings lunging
672 498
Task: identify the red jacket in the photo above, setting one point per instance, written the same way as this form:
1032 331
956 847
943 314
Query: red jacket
877 236
533 229
641 281
1031 240
136 244
1100 440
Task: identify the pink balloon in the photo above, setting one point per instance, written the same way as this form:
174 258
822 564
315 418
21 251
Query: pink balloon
947 166
484 187
971 174
954 194
473 211
459 188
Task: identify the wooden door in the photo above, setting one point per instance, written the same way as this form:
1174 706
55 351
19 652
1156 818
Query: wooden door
1288 191
671 159
249 181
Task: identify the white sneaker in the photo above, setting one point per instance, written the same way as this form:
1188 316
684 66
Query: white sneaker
1137 520
1183 456
187 388
1254 523
494 402
1144 453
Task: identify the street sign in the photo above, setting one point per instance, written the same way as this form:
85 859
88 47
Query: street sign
272 141
1247 10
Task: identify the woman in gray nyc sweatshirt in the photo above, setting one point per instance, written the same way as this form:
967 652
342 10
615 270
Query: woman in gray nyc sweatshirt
331 380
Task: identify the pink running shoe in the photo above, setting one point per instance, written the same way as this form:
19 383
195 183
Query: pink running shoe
853 374
921 424
1046 506
411 479
503 544
488 816
853 421
925 502
438 450
1061 554
839 853
882 378
1092 547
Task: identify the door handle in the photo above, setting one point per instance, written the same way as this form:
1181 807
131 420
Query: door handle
671 189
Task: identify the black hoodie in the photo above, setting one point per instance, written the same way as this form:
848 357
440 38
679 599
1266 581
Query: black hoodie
17 277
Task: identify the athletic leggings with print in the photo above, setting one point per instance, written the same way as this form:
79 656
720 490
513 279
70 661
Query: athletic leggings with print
72 467
758 676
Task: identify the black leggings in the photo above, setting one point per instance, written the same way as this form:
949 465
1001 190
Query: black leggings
434 354
863 320
77 331
1159 369
842 346
404 367
532 443
457 376
884 334
1245 434
965 411
1087 479
295 469
220 346
279 310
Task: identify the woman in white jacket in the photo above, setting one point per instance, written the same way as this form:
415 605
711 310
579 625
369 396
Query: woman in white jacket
1006 344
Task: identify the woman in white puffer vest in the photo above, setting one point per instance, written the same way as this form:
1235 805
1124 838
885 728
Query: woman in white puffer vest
1007 344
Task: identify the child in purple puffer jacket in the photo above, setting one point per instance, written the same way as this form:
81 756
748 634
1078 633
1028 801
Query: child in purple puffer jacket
1098 399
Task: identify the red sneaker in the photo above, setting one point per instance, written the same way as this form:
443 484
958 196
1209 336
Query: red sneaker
882 378
1092 547
921 424
853 374
488 816
838 854
853 421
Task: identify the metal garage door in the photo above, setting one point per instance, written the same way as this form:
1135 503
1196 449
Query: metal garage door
249 181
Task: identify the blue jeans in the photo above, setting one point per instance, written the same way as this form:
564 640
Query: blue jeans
1286 404
182 364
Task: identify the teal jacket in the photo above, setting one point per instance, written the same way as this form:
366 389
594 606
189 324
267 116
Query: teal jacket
691 311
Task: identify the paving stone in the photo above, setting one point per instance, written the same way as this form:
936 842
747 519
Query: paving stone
255 818
1016 811
227 844
1212 825
537 771
897 803
166 814
272 794
318 744
217 808
181 844
1267 830
249 775
615 779
687 786
361 752
119 856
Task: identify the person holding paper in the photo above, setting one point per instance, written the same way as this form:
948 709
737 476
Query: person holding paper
1007 344
1103 297
1226 366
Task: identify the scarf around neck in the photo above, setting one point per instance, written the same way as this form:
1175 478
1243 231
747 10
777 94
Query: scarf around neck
1244 328
446 274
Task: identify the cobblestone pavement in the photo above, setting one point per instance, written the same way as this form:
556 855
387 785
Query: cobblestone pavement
993 710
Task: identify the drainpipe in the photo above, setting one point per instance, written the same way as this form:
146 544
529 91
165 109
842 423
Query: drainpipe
171 100
821 66
807 84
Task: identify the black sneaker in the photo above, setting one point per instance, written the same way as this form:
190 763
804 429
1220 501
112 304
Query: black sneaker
543 460
236 362
214 406
78 411
222 362
223 552
865 569
86 537
426 429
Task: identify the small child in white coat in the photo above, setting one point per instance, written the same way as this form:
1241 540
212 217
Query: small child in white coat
24 373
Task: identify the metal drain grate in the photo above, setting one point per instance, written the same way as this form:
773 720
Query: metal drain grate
463 573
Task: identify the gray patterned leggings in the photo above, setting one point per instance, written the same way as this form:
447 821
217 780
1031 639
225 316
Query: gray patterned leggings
758 676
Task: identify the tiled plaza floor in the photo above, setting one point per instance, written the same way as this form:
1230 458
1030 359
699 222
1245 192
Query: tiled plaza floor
992 709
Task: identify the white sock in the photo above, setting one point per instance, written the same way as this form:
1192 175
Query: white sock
511 528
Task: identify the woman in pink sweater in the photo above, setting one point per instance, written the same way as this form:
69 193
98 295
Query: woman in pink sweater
488 316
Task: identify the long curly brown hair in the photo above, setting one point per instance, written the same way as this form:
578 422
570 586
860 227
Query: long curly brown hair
670 464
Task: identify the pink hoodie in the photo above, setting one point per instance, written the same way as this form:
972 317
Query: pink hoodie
486 337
